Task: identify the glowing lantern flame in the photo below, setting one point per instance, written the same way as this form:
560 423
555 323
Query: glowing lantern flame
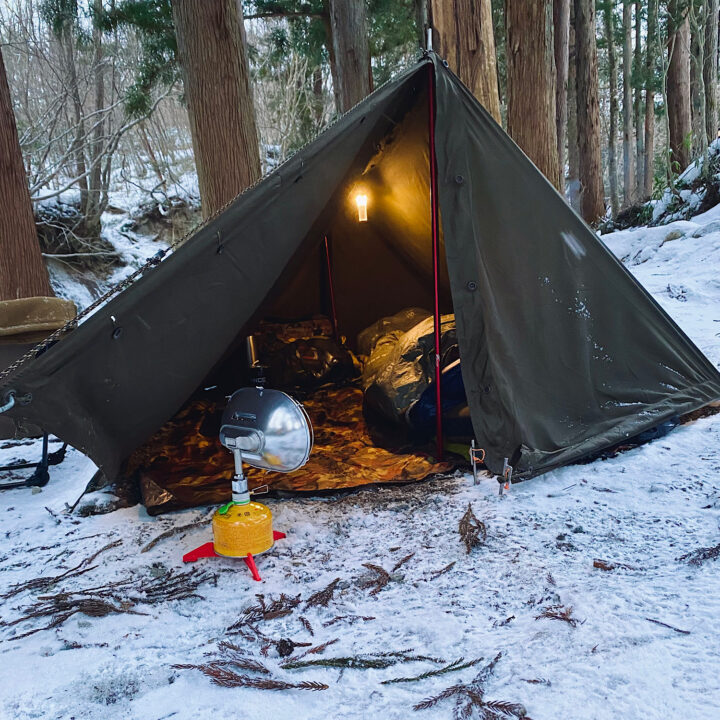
361 201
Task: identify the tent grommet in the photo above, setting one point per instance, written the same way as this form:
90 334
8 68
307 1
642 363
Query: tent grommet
459 179
472 286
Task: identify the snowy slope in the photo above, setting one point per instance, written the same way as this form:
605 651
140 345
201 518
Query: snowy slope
640 511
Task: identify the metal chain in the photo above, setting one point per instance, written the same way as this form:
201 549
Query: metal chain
158 257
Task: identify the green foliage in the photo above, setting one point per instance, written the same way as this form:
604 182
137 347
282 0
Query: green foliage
64 17
393 35
305 31
60 15
645 215
301 32
664 178
153 22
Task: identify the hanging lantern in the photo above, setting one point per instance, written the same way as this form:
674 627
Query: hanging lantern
361 201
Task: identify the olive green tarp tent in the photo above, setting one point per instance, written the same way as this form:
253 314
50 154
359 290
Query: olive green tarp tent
562 352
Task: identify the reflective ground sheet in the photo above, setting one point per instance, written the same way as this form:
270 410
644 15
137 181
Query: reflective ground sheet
184 465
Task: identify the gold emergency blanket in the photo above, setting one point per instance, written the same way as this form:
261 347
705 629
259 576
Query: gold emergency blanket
184 465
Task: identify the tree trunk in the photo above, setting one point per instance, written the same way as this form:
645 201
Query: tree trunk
67 45
95 190
696 16
573 181
463 35
650 61
318 97
22 271
333 62
629 185
710 70
678 86
613 77
531 82
348 24
592 202
420 8
220 109
638 104
561 26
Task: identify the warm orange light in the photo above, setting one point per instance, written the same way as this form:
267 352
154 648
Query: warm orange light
361 201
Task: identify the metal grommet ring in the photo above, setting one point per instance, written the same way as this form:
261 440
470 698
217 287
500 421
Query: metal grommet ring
459 179
472 286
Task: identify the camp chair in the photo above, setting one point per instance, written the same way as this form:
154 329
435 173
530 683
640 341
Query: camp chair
24 323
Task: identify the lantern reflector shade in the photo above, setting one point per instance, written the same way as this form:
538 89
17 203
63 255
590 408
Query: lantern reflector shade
272 430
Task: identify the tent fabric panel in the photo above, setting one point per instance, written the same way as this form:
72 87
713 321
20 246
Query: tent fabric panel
563 351
385 264
106 395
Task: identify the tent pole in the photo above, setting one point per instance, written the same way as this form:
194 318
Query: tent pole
436 258
331 289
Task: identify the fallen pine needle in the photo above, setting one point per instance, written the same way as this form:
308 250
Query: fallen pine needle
452 667
175 531
697 557
559 612
226 678
400 563
442 571
670 627
605 565
381 579
377 661
470 529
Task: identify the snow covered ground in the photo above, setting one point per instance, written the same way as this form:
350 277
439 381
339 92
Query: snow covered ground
638 512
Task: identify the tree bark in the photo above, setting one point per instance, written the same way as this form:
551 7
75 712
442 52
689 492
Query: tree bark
629 183
333 63
349 31
613 78
95 190
420 8
678 86
318 97
220 108
561 26
67 45
22 271
531 82
696 16
592 202
573 181
463 35
650 61
710 70
638 104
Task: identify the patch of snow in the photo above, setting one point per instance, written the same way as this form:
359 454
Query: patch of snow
640 511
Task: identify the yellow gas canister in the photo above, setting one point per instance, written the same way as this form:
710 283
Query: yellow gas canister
239 529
